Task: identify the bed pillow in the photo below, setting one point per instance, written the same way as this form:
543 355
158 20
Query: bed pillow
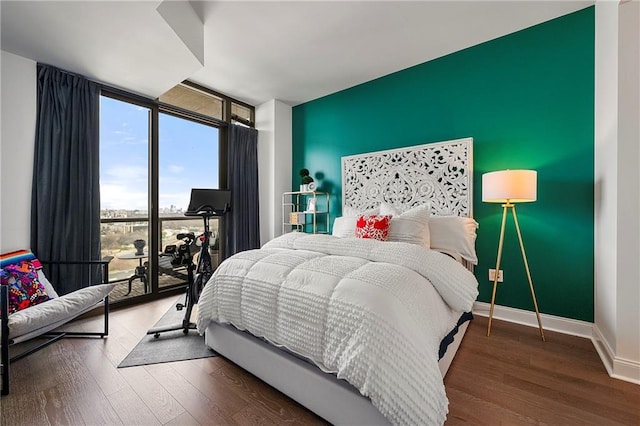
454 234
411 226
348 211
344 227
373 226
386 208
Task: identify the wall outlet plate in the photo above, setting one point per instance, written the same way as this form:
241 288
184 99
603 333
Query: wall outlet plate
492 275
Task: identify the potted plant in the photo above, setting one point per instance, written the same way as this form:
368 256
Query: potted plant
306 179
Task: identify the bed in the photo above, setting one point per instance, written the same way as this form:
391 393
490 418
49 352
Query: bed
358 330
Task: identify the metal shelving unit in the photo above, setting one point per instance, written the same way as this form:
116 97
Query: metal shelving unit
305 212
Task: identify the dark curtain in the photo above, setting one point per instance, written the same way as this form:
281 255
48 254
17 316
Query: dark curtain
243 222
65 198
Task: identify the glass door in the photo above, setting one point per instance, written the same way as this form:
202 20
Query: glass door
188 158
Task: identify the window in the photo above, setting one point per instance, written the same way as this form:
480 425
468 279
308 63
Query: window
124 185
152 153
242 114
192 99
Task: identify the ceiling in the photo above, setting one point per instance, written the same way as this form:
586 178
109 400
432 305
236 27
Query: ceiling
293 51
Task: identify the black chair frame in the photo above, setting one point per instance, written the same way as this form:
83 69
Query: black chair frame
51 336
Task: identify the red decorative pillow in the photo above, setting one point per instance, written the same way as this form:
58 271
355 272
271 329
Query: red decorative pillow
373 226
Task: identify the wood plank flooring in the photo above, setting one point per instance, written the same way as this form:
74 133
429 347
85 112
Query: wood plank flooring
511 378
514 378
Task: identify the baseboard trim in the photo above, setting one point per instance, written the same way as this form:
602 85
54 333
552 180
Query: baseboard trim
603 349
618 368
528 318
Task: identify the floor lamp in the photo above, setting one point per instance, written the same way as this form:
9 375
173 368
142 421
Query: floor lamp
509 187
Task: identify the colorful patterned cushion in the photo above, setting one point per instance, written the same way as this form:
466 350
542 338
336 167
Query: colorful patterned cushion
373 226
20 273
17 257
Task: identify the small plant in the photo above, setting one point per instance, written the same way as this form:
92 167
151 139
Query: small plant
305 178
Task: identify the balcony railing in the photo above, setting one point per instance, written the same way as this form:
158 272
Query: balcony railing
117 237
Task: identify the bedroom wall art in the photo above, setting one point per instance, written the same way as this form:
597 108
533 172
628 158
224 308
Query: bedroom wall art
527 99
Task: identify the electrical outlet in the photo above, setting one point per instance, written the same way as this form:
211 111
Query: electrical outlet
492 275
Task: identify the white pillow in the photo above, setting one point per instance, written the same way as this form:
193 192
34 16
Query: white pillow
344 227
389 209
48 288
348 211
411 226
454 234
61 309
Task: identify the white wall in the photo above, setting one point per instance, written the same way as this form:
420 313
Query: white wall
617 198
273 121
17 135
266 141
628 296
606 165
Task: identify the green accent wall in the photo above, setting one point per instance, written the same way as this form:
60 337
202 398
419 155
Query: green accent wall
527 99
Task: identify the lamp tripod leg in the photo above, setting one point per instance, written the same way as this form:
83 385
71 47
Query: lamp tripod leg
526 267
499 257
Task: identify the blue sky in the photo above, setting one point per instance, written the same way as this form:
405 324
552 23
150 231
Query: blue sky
188 157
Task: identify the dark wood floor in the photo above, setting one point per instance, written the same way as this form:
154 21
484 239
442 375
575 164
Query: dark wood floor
510 378
514 378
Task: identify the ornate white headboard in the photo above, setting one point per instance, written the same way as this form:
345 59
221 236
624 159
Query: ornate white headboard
440 173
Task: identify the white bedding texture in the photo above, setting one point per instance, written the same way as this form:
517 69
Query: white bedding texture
371 312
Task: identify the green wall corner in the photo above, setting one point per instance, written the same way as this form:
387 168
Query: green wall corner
527 99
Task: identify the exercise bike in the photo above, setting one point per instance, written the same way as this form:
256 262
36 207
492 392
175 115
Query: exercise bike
202 204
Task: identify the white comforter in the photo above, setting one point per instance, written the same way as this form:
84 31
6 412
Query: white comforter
372 312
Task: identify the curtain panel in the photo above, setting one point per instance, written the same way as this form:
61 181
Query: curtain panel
65 199
243 221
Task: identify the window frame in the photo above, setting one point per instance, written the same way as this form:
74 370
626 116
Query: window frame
156 107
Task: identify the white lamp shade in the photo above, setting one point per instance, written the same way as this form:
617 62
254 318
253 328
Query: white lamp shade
515 186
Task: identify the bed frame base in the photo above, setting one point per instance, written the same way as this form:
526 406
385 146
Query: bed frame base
332 399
